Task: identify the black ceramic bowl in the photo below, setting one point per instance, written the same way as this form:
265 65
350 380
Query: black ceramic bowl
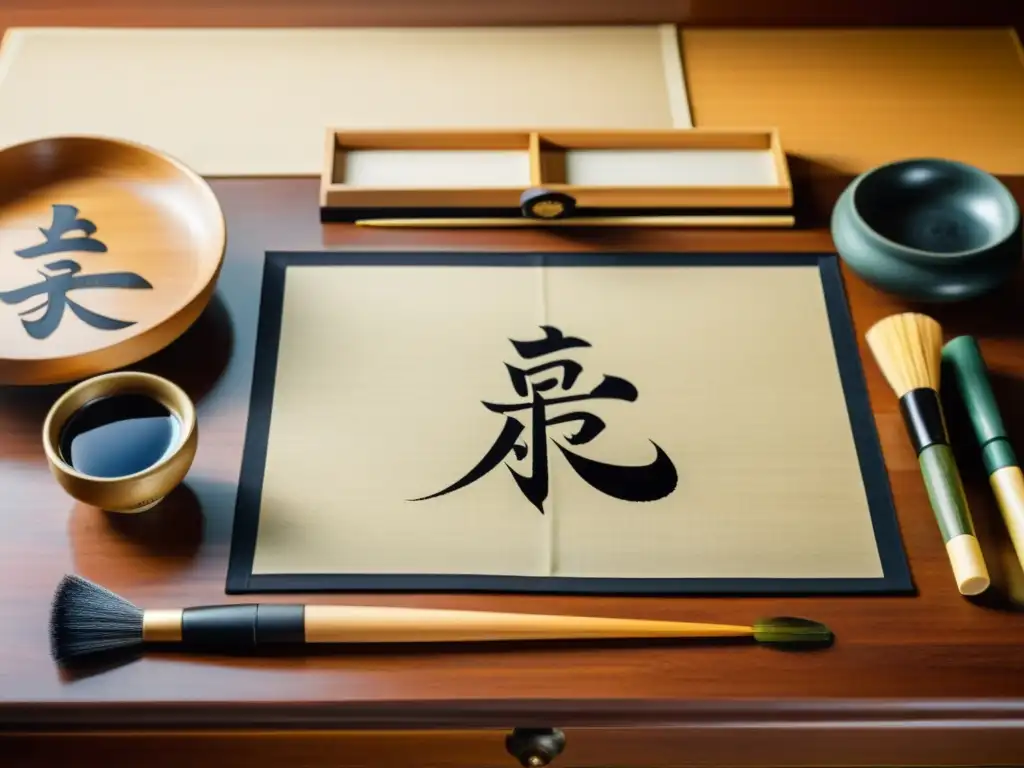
929 229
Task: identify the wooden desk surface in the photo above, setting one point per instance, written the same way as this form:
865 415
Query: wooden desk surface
931 679
933 657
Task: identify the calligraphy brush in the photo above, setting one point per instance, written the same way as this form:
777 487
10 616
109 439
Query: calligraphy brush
962 357
908 349
87 619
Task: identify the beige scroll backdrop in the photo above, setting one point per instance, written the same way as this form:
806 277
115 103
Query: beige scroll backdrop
256 102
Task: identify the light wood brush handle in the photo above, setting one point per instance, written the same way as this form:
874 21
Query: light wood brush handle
1008 485
359 624
273 624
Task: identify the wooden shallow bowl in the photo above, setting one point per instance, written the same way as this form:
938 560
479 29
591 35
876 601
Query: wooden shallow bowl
109 251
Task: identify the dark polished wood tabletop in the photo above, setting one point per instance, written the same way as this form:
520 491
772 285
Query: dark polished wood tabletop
935 647
948 669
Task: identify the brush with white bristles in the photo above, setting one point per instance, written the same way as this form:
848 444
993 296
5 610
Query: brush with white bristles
908 349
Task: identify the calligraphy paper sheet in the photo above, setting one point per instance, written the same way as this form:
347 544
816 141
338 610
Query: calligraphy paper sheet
256 102
591 421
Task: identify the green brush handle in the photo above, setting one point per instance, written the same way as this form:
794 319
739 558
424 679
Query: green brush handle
946 493
963 360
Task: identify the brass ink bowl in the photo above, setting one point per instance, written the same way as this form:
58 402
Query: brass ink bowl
109 250
140 490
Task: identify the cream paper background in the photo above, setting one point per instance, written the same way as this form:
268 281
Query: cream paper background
257 102
463 168
382 371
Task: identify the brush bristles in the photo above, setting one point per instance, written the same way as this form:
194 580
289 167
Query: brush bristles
908 349
786 630
87 619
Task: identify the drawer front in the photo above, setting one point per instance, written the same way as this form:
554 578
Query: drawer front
668 747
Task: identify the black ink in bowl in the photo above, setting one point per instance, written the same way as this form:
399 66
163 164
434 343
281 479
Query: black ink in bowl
119 435
121 441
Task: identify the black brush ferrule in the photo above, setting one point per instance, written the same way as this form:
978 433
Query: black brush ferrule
280 625
922 414
239 628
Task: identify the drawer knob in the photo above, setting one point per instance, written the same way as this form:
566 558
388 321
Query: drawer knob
535 747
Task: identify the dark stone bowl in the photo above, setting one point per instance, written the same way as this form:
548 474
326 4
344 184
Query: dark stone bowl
929 230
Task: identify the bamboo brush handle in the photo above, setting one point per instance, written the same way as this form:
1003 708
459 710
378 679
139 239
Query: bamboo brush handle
246 626
946 493
962 359
1008 486
364 624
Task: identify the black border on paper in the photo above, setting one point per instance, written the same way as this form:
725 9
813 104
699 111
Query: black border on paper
896 578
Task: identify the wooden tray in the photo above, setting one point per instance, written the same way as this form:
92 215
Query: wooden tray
424 173
109 251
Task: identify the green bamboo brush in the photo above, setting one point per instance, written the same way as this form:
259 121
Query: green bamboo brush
962 358
88 620
908 349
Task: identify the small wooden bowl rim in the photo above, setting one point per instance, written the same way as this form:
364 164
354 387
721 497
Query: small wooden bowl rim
163 390
177 320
